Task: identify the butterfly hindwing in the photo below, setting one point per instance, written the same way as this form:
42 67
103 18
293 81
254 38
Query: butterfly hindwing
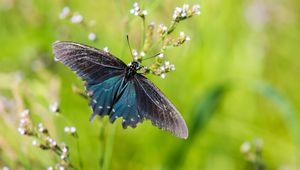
104 95
157 108
127 107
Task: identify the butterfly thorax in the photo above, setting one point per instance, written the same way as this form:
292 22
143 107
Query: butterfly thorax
131 70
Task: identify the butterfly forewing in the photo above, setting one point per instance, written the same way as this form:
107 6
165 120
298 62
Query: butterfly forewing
92 65
156 107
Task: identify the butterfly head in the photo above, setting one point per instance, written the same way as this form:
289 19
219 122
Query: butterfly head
134 65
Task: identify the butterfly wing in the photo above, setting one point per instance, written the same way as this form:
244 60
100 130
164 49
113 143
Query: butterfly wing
154 106
101 71
91 64
127 107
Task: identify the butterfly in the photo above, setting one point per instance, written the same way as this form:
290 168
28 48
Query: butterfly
119 90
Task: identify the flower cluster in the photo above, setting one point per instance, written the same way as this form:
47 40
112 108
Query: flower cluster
25 126
161 66
77 18
137 56
137 11
252 152
184 12
43 140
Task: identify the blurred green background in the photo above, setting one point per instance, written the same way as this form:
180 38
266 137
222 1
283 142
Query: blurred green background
235 84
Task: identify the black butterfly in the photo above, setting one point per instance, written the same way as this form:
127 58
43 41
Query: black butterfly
117 90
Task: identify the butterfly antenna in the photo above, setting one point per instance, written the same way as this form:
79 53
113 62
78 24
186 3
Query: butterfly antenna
127 37
153 56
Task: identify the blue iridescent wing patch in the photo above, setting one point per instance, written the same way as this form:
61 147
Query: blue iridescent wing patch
118 91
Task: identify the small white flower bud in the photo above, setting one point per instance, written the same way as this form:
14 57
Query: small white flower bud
144 12
142 54
163 75
62 157
64 12
34 143
5 168
167 63
132 11
135 4
21 131
76 18
24 113
105 49
92 36
161 55
67 129
64 150
73 129
245 147
162 68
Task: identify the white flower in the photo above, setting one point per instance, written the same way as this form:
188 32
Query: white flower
185 6
135 53
21 131
62 157
92 36
64 150
34 143
172 67
163 27
196 8
160 55
144 12
67 129
76 18
50 168
183 14
64 12
61 168
245 147
53 143
24 113
53 107
162 68
40 127
167 63
188 38
73 129
142 54
135 4
132 11
105 49
178 10
5 168
22 122
50 140
182 34
163 75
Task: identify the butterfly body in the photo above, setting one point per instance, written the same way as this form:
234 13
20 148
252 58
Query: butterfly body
118 90
131 70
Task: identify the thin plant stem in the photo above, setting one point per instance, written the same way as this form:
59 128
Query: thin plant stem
109 148
79 154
